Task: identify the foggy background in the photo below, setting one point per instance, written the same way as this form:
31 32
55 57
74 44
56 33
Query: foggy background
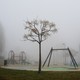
64 13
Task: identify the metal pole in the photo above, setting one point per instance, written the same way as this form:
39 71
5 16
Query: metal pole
50 58
47 58
73 60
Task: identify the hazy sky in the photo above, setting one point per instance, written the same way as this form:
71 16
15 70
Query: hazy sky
65 14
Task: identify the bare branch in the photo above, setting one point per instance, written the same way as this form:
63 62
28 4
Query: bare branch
34 39
31 40
30 36
43 39
35 31
39 30
54 30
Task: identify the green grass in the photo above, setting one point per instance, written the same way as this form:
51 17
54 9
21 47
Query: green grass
8 74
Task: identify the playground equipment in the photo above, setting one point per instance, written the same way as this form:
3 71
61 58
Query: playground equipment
13 59
22 57
62 49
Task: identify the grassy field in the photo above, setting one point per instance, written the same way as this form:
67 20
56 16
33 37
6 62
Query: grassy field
8 74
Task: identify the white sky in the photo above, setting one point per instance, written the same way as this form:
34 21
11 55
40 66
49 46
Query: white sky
65 14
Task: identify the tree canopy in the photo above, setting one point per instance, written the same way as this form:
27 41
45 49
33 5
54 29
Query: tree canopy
39 30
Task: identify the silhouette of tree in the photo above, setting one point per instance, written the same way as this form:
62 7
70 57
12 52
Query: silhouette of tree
38 31
1 40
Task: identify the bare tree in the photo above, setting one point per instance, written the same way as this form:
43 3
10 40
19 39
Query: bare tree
1 40
38 31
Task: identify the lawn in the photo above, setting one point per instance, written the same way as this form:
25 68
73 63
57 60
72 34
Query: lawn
8 74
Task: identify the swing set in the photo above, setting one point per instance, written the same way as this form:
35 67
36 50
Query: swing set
48 58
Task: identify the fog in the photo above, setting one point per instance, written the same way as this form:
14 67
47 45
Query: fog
64 13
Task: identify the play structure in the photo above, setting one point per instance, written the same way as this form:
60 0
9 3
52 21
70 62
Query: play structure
22 57
13 59
48 58
69 63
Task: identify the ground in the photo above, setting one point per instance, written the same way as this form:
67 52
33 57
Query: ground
9 74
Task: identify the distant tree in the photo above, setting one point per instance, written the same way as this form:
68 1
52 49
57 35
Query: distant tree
38 31
1 40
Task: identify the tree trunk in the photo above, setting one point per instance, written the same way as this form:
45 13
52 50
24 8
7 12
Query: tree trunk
39 70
